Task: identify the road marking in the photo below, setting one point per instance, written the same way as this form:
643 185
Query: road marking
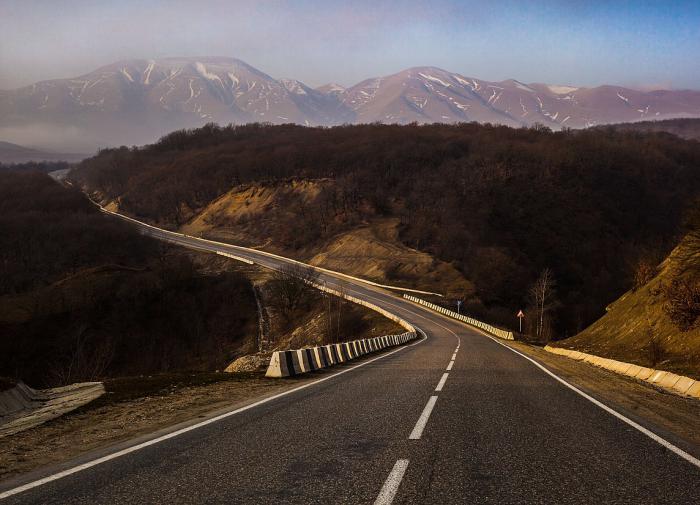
623 418
188 242
134 448
423 419
449 366
656 438
391 484
442 382
184 239
454 356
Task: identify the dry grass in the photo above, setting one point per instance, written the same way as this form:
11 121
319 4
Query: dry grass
636 329
255 216
132 407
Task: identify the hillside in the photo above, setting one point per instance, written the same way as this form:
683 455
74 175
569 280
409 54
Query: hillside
686 128
262 215
638 327
84 297
497 204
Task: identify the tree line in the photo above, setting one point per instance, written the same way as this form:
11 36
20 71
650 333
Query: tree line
501 204
84 296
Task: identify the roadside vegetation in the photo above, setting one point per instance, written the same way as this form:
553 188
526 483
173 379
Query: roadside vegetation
85 297
657 322
498 205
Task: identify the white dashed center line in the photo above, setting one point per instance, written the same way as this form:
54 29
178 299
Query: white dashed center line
443 379
391 485
423 419
449 366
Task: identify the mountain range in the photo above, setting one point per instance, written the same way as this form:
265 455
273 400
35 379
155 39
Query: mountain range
136 101
13 153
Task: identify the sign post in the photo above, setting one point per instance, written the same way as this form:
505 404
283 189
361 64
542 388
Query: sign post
521 315
459 304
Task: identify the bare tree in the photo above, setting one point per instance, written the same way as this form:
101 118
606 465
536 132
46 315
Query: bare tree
291 287
543 299
335 315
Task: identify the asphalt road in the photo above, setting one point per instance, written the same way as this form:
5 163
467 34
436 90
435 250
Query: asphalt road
498 430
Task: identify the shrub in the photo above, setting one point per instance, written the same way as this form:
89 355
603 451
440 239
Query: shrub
644 271
683 303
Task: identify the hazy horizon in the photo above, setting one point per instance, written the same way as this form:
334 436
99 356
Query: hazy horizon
562 42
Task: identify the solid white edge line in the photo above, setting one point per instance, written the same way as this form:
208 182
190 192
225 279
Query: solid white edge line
265 253
450 365
656 438
441 384
134 448
423 419
391 484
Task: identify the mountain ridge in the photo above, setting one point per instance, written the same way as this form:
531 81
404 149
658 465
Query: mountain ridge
138 100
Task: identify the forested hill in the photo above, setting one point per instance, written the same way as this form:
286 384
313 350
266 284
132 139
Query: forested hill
501 204
84 297
686 128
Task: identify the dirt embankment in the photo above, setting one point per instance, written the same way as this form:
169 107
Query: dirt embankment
135 406
130 408
637 329
265 217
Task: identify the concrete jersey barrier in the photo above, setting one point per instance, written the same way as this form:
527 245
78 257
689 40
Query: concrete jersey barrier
490 329
293 362
18 399
678 384
298 361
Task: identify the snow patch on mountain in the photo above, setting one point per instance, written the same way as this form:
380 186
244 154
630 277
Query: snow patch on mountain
234 80
522 86
463 82
293 86
126 74
202 70
434 79
562 90
147 72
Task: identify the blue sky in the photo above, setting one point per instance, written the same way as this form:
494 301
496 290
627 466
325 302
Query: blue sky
639 44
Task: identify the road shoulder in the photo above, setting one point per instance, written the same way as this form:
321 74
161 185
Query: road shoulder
673 416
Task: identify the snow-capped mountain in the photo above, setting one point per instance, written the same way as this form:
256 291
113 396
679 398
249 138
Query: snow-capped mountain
428 94
136 101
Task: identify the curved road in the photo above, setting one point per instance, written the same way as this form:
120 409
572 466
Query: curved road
497 430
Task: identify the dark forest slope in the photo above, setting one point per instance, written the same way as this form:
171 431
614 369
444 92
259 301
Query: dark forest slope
500 204
84 296
686 128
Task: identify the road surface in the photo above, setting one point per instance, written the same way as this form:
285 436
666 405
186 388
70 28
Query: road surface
453 418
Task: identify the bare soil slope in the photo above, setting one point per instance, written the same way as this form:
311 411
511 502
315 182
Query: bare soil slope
633 321
265 216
